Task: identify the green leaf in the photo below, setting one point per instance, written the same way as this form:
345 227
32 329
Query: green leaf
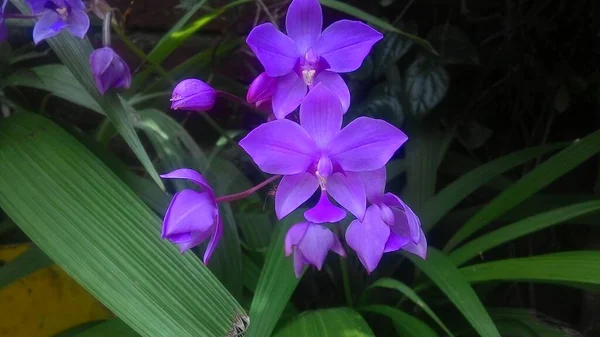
412 295
450 281
538 178
176 149
58 80
393 46
114 327
251 274
74 53
578 267
406 325
426 84
28 262
455 192
338 322
276 284
375 21
510 232
537 323
76 330
453 45
79 213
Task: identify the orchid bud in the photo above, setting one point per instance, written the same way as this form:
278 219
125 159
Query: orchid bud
109 70
193 94
261 89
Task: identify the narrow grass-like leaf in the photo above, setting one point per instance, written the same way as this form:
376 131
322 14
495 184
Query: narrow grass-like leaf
454 193
276 284
539 324
578 267
510 232
87 220
338 322
251 274
58 80
405 324
375 21
540 177
76 330
75 53
452 283
412 295
31 260
114 327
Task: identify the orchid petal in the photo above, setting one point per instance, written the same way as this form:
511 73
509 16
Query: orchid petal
348 190
324 166
194 240
368 238
261 89
189 211
293 191
315 244
193 94
321 115
324 211
374 182
78 23
404 216
293 236
345 44
395 242
304 22
37 6
337 247
275 50
299 262
188 174
419 249
47 26
214 241
365 144
335 83
289 93
280 147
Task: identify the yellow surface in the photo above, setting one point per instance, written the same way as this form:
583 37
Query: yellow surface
45 302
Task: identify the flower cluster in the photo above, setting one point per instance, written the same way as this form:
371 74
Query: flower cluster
345 164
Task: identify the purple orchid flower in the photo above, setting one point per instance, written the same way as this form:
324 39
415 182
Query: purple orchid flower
306 56
56 15
310 244
3 30
109 70
389 225
192 216
193 94
319 153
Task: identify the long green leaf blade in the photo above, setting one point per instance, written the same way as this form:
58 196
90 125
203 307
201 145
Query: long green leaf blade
539 324
338 322
578 267
450 281
114 327
454 193
80 214
405 324
510 232
75 53
413 296
28 262
540 177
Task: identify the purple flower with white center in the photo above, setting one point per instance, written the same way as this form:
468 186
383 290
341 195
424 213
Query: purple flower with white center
310 244
193 216
3 30
56 15
389 225
319 153
109 70
192 94
306 56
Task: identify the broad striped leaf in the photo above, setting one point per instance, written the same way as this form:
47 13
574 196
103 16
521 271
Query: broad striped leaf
95 228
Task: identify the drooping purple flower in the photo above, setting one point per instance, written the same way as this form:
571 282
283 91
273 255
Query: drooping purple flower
319 153
310 244
56 15
261 89
193 94
3 30
306 56
389 225
192 216
109 70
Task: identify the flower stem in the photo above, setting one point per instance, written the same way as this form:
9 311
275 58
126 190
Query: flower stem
246 193
233 98
345 277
